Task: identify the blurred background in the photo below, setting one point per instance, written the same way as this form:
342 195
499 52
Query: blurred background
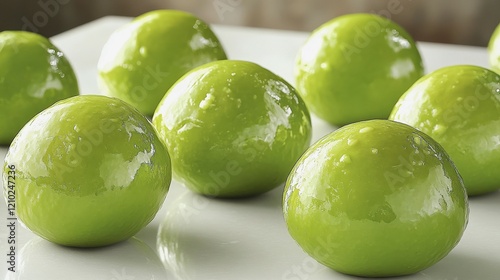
468 22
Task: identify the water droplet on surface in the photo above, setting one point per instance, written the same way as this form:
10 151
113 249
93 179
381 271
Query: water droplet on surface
352 142
197 24
374 151
345 159
435 112
143 51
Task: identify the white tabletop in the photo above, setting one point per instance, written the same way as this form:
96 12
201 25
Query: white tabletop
194 237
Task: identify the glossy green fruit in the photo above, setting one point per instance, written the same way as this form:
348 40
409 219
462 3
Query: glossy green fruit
142 60
34 74
376 198
89 171
355 67
459 106
233 128
494 50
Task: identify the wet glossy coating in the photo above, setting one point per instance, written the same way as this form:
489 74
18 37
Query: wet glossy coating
142 60
233 128
459 106
34 74
90 171
376 198
494 50
355 67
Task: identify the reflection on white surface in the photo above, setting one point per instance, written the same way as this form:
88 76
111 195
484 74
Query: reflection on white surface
129 260
204 238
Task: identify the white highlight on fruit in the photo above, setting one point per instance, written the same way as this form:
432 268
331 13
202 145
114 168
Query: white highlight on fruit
118 172
110 51
430 200
278 116
50 83
199 42
207 102
402 68
34 131
130 127
397 42
308 54
305 195
366 129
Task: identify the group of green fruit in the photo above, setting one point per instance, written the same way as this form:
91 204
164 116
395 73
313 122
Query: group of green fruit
99 170
388 198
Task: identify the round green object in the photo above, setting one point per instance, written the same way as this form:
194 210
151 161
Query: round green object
233 128
89 171
459 106
376 199
144 58
34 74
355 67
494 50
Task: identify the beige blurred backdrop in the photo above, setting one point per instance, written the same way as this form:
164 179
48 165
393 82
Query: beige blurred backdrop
468 22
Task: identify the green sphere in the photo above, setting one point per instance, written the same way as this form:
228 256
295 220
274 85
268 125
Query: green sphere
376 199
459 106
89 171
355 67
144 58
34 74
233 128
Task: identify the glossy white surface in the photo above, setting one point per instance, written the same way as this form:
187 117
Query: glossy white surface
194 237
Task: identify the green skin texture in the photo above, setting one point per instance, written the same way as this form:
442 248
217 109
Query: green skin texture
233 128
459 106
494 50
355 67
144 58
391 211
96 174
28 81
